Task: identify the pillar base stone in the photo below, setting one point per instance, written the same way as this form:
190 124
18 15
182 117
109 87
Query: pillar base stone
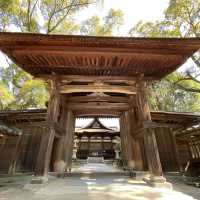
39 180
139 175
158 182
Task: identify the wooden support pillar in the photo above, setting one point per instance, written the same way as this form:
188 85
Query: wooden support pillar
3 142
111 140
43 161
80 143
138 151
89 138
68 140
123 141
126 139
65 143
148 134
102 145
18 147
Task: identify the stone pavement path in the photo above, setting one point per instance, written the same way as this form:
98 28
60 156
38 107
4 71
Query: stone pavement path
89 187
96 168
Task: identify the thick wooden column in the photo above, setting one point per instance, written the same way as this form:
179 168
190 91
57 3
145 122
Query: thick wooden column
102 144
150 143
89 139
126 140
123 141
137 143
43 161
68 139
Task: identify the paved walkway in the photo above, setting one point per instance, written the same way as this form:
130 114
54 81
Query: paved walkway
90 187
96 168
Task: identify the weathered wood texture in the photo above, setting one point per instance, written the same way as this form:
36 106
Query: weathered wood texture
150 142
33 125
139 154
47 140
167 149
99 56
97 88
126 141
194 146
68 139
184 153
19 154
8 146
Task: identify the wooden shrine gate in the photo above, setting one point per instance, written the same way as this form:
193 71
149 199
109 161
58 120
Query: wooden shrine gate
99 76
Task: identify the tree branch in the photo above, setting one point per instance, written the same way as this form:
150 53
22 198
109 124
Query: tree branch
72 5
188 89
196 61
50 18
192 78
28 15
34 6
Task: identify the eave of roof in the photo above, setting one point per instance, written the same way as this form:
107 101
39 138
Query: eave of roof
41 54
17 116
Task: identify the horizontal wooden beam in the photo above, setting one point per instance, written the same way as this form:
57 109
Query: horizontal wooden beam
97 113
112 99
98 106
98 51
97 88
80 78
139 131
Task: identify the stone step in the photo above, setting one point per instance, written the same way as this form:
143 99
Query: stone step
96 174
93 174
95 160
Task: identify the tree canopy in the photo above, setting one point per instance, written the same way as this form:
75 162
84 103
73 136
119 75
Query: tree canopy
181 19
17 88
95 26
179 91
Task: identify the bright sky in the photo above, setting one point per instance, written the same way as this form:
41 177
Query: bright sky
134 11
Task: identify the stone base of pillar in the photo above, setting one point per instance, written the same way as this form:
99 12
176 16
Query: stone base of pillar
39 180
139 175
158 181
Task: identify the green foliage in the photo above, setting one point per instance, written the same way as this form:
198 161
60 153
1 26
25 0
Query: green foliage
96 26
47 16
154 29
6 96
17 88
169 97
33 94
179 91
184 15
14 77
21 90
181 20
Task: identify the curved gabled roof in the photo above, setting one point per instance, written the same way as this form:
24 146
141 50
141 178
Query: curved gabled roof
95 126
